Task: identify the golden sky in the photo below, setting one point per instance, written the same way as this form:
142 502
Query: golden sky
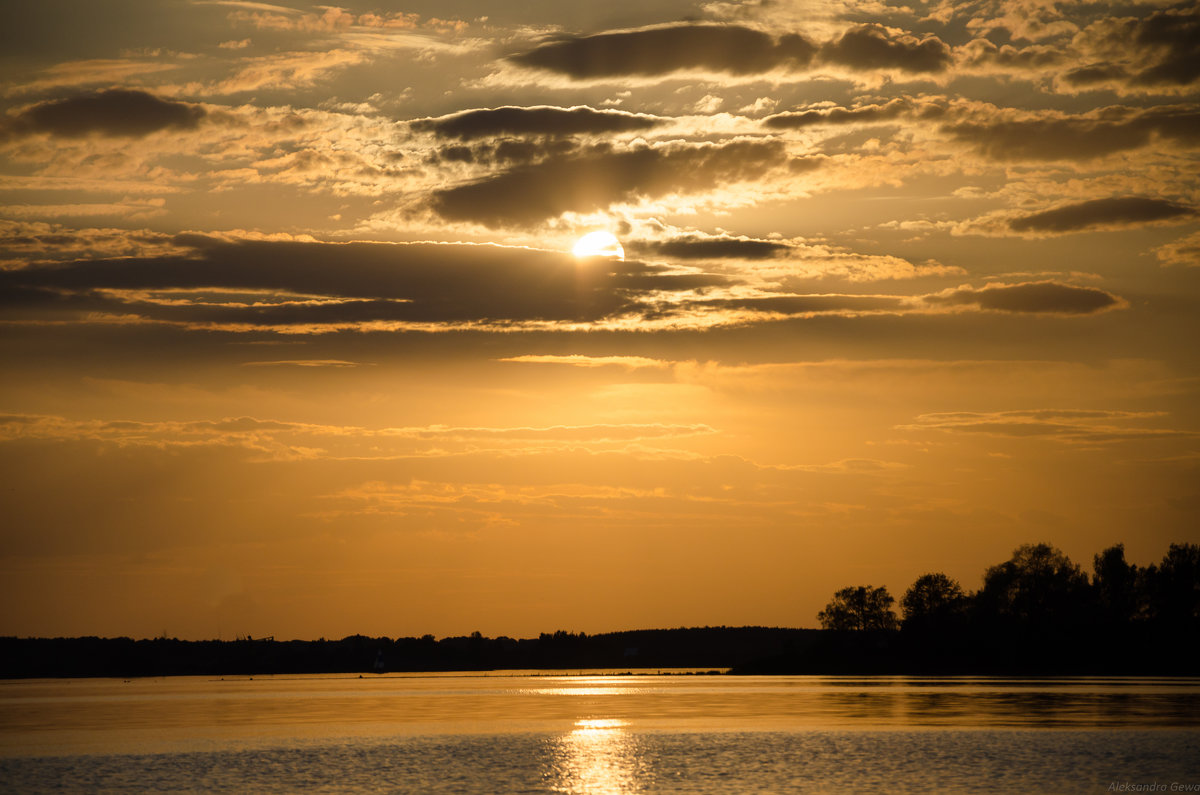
294 342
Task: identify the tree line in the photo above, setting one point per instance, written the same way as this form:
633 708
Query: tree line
694 647
1037 611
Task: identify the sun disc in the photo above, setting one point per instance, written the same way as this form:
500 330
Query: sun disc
599 244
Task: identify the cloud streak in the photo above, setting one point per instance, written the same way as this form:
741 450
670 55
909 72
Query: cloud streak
698 247
1109 213
1030 297
1068 426
114 113
285 440
469 125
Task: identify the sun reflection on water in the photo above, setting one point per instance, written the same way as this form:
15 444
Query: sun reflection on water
597 757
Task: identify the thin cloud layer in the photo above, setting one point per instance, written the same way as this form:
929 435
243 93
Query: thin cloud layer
335 20
257 441
24 242
810 305
1069 426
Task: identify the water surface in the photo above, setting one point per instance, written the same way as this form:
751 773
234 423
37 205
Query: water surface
520 732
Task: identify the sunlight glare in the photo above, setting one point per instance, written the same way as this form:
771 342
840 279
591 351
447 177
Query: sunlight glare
599 244
599 756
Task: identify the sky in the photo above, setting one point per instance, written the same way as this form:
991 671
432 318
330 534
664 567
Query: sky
294 341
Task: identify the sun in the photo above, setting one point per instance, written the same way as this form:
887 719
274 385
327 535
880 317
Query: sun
598 244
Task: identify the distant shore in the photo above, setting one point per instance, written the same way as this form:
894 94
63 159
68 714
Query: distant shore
738 650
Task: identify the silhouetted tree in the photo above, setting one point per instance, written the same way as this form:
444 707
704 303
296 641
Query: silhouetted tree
859 608
1038 584
1035 612
1175 588
1118 588
934 603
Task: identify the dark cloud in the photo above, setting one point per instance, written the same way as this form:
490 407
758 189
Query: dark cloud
875 47
1050 138
1081 137
809 304
516 151
864 114
1174 34
505 152
709 248
323 283
732 49
1118 211
599 177
118 113
1180 123
1039 297
539 120
454 154
1093 75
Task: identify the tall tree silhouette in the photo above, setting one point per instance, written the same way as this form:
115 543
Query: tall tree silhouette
1039 584
934 603
859 608
1035 612
1118 589
1175 588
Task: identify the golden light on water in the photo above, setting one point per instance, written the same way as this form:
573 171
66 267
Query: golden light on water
598 756
594 724
599 244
